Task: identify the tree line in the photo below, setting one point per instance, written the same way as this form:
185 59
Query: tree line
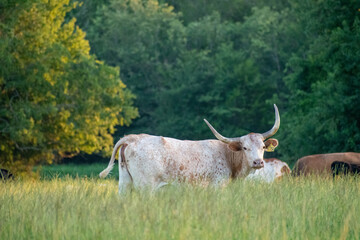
181 62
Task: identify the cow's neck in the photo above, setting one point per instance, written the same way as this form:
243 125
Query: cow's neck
238 165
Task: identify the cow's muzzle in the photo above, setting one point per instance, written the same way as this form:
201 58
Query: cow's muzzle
259 163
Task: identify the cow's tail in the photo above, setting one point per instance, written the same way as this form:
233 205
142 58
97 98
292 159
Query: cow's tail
107 170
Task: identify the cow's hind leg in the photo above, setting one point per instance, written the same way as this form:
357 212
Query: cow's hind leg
125 181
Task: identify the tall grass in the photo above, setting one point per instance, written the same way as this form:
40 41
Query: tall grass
75 208
48 172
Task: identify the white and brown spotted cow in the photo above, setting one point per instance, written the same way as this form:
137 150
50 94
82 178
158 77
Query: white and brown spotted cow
154 161
273 169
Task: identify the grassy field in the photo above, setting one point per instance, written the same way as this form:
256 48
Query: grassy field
67 207
75 171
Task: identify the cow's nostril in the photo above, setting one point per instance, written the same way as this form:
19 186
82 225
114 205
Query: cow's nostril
258 163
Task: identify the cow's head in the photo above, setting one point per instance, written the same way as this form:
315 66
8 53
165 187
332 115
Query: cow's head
252 145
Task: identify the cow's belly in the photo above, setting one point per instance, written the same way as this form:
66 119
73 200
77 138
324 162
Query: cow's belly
156 159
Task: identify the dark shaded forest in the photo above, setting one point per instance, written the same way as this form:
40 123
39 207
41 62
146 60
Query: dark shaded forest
76 76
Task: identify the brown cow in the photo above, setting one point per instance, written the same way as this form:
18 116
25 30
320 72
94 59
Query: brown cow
321 163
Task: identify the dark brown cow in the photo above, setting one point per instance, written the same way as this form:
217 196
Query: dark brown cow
344 168
5 174
321 163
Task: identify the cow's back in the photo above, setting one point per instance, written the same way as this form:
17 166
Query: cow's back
321 163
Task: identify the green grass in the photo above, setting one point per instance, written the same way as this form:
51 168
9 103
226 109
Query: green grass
90 208
74 171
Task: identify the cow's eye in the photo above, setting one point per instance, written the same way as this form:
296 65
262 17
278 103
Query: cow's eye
245 148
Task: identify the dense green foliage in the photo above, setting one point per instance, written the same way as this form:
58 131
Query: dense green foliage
226 61
182 74
324 81
56 99
229 61
301 208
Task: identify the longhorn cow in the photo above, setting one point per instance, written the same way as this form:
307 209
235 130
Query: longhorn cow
154 161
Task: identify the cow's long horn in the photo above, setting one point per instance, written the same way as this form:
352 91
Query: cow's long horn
217 135
276 126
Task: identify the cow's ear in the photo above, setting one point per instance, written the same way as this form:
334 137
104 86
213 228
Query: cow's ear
235 146
271 144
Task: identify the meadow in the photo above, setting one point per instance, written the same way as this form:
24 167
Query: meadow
70 205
